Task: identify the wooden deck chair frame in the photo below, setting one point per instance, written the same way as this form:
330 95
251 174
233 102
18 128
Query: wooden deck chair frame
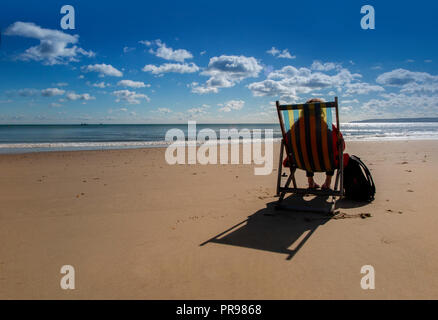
337 192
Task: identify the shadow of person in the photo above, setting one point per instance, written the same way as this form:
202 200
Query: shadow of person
275 230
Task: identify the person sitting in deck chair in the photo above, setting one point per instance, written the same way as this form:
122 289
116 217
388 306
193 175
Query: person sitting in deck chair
329 174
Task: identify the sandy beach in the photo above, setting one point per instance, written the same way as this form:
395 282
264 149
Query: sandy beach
135 227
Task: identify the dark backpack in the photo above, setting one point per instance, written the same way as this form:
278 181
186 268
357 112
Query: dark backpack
358 182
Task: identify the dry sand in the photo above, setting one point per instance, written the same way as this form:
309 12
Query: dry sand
132 227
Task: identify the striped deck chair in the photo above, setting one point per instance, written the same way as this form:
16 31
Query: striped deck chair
308 143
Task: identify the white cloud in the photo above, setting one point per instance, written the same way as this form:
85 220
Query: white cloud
349 101
273 88
400 77
327 66
232 105
145 42
26 92
167 53
286 55
273 51
280 54
132 84
103 70
55 47
50 92
400 103
74 96
55 105
164 110
100 85
423 88
289 81
204 89
226 71
61 84
362 88
410 81
130 96
128 49
171 67
198 110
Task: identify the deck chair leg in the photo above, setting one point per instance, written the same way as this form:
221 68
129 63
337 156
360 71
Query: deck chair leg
280 168
337 180
286 186
338 176
292 173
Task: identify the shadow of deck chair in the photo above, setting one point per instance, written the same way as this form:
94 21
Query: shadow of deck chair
308 143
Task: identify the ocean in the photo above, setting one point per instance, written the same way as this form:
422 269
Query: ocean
38 138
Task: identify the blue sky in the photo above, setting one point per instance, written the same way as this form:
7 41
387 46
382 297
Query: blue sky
227 61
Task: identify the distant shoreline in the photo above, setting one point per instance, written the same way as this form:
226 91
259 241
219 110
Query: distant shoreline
396 120
393 120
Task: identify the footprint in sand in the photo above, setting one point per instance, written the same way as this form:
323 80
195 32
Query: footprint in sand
344 215
391 211
386 240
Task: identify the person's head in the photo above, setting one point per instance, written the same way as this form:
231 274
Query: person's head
315 100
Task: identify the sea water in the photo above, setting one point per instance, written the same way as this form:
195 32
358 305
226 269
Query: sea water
36 138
